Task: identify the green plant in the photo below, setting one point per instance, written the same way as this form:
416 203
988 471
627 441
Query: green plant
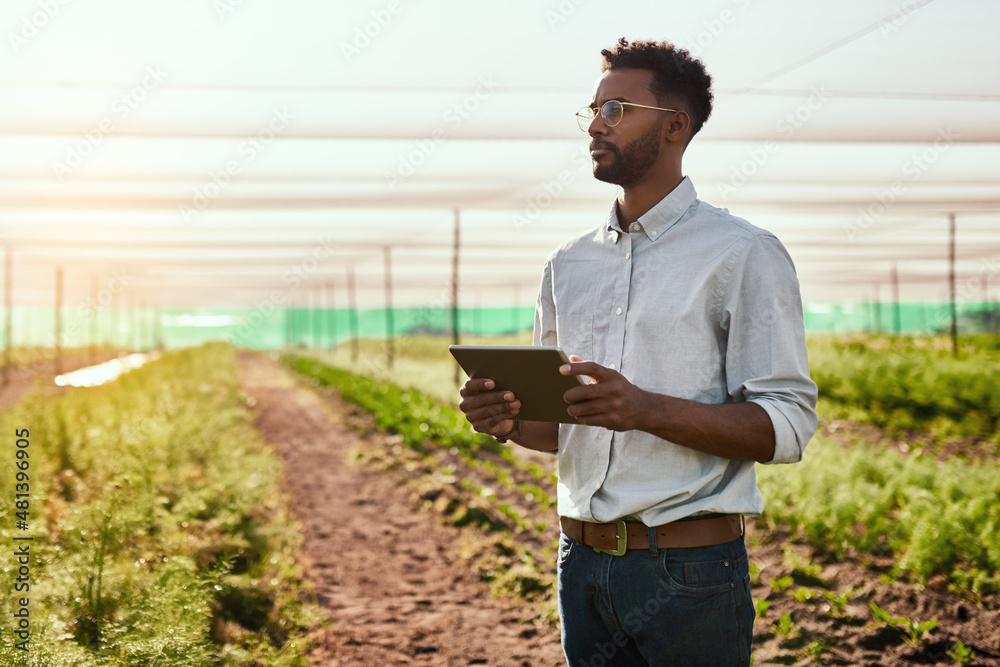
779 584
160 532
803 594
814 653
756 569
961 654
883 617
933 517
802 568
910 384
916 631
838 602
785 627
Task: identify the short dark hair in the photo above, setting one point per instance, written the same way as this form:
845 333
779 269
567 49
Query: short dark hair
675 72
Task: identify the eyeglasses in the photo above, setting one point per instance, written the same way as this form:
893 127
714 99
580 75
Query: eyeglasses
611 113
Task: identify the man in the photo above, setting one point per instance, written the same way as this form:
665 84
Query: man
688 322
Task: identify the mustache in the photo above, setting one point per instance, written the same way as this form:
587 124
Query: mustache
602 145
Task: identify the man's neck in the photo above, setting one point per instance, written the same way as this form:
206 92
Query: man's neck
634 202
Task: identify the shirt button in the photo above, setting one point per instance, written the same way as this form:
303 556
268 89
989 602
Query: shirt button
653 234
636 226
612 367
618 312
628 255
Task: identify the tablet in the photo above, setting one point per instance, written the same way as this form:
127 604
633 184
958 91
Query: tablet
530 372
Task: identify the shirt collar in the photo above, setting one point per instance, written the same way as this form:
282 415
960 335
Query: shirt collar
661 217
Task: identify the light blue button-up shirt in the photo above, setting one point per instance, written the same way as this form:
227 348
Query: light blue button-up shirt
691 302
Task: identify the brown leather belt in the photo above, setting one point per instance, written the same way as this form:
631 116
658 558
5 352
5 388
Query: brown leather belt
616 537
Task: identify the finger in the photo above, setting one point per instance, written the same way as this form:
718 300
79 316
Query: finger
493 412
476 386
585 392
474 401
589 413
591 369
587 409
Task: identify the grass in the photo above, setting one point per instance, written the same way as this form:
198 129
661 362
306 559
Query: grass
911 384
933 517
159 532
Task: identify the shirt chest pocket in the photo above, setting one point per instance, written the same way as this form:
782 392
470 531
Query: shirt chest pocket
575 335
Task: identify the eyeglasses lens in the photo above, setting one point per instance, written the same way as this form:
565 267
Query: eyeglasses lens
612 112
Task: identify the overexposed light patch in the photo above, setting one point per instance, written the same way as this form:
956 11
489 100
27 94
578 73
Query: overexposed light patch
92 376
187 320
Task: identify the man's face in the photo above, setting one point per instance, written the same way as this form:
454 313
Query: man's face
623 154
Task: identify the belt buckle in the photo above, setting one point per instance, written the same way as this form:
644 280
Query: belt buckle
622 537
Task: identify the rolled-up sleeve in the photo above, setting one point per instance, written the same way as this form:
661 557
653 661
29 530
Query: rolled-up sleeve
766 360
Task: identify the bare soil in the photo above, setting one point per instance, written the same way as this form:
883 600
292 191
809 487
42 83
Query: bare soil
397 589
390 578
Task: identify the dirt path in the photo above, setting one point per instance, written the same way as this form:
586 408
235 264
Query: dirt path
390 577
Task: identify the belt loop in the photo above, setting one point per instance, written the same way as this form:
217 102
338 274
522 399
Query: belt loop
651 531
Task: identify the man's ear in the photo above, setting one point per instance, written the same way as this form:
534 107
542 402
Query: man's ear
678 128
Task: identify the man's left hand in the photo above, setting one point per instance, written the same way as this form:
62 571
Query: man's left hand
609 400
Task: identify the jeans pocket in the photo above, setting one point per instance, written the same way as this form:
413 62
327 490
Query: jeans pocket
702 574
567 547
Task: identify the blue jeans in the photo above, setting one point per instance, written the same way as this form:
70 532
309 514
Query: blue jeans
684 607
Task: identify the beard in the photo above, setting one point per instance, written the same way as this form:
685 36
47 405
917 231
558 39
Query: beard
631 163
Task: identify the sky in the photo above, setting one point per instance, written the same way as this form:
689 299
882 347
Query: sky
224 152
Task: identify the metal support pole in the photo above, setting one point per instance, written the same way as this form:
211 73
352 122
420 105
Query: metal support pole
59 327
951 284
93 320
514 323
389 323
9 308
897 324
877 308
310 319
332 314
454 289
352 299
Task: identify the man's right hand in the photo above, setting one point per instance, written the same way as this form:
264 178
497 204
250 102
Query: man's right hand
488 410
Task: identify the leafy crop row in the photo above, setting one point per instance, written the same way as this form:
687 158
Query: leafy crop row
933 517
912 384
413 415
159 535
